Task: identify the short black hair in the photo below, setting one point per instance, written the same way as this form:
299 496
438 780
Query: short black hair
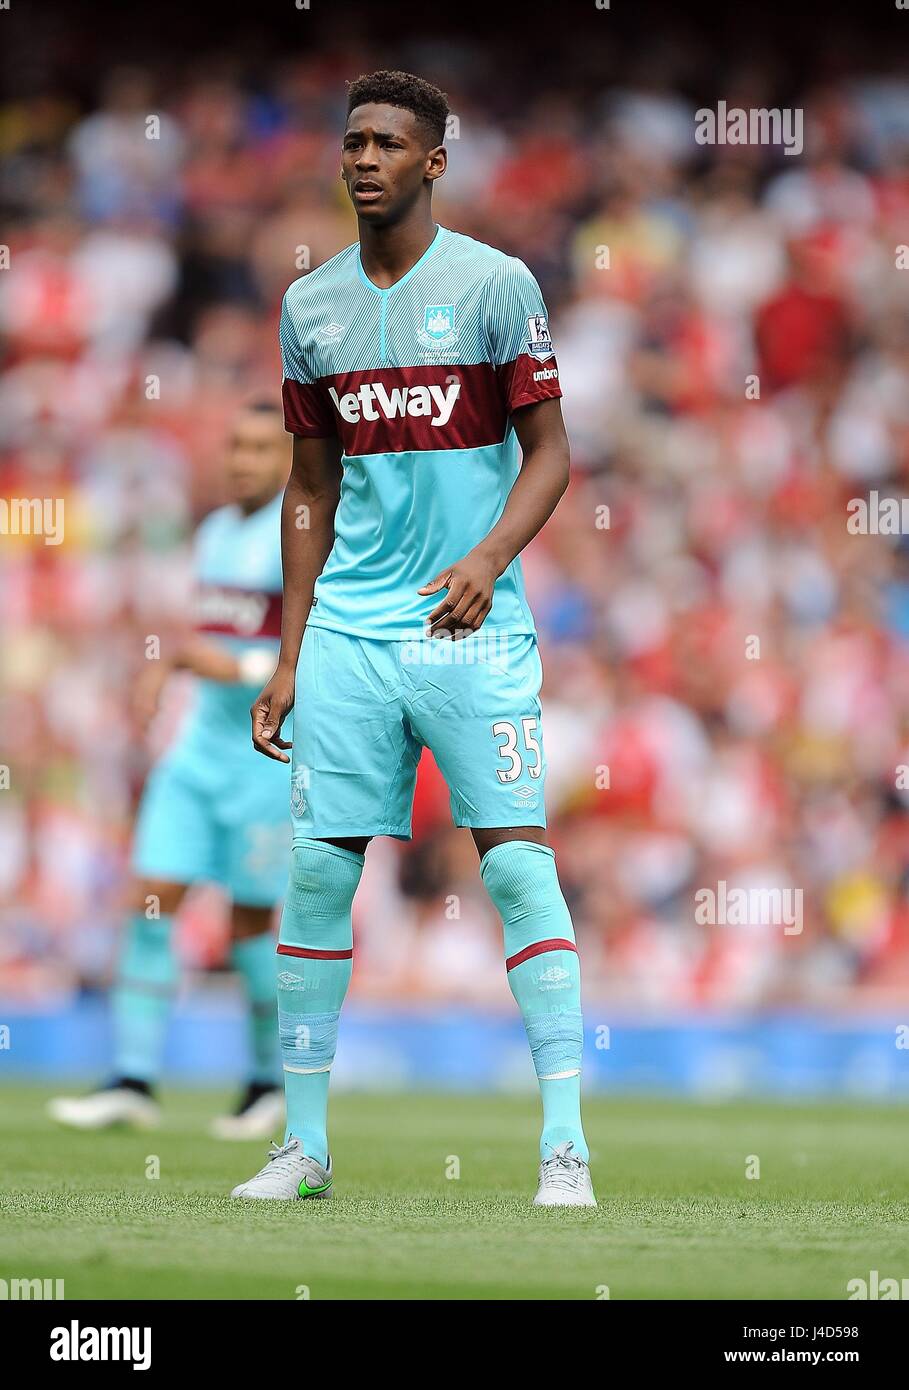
428 104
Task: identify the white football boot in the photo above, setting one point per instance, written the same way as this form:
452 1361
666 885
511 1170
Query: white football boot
259 1114
564 1180
115 1105
288 1176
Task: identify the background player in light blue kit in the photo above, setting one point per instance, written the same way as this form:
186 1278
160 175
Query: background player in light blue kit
212 810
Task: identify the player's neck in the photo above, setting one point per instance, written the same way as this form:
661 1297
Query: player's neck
388 253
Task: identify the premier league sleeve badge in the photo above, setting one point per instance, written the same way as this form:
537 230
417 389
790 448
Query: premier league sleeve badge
539 343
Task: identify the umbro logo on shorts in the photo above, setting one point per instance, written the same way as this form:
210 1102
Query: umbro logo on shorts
374 401
525 797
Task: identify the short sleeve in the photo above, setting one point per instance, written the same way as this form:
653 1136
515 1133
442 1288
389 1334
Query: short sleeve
306 410
517 332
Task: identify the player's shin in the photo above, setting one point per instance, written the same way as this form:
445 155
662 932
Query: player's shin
315 952
253 959
545 978
142 996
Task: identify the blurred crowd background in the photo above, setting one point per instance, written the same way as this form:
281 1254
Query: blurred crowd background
732 331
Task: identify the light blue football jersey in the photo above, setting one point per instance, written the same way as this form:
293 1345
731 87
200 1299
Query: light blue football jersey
238 588
419 382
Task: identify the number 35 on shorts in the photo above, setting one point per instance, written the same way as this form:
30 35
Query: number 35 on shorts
519 748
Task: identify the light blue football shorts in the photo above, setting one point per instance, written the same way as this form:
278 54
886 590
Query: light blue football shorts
365 710
210 816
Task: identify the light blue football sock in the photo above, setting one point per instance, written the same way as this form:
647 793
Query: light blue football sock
315 959
142 996
545 978
254 960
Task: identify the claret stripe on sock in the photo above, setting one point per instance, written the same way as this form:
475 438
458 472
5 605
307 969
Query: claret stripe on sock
310 954
537 949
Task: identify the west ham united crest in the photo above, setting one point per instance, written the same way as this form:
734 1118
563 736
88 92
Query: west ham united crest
438 329
539 343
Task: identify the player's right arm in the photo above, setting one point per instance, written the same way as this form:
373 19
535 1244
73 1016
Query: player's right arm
307 536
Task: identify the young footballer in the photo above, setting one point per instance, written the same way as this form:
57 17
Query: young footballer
417 363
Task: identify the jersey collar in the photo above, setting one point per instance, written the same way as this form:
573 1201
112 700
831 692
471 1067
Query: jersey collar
377 289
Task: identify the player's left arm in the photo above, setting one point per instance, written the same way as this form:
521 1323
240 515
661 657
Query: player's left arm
541 482
201 658
211 662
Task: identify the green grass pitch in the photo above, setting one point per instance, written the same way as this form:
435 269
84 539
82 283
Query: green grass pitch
678 1218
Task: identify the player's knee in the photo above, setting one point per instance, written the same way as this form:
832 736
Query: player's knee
521 879
320 892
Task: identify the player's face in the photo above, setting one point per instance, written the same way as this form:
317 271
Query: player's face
258 457
385 162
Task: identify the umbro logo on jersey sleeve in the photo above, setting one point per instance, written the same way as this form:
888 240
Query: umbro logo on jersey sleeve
374 401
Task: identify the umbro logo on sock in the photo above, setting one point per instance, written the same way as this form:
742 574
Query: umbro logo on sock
288 980
553 978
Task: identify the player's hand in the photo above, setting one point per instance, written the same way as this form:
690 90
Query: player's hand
268 713
470 584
